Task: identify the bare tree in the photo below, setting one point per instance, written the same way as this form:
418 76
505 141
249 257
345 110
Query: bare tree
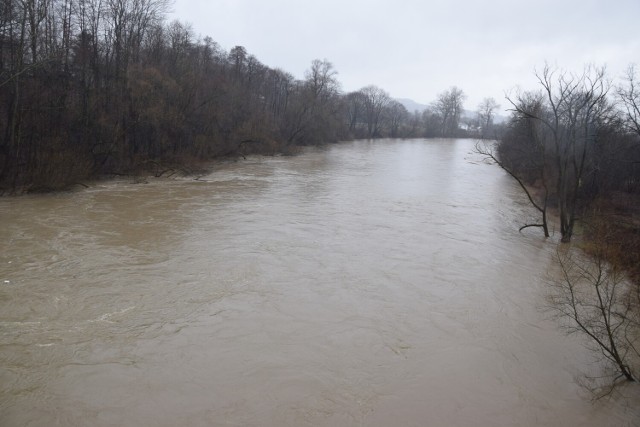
237 59
355 110
449 107
322 80
629 95
396 115
591 297
375 101
431 123
486 112
321 92
277 90
575 108
313 111
129 20
512 160
36 14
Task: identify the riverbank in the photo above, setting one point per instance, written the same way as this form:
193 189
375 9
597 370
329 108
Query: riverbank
140 170
614 225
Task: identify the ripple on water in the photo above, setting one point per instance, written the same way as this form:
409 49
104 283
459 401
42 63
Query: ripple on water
366 283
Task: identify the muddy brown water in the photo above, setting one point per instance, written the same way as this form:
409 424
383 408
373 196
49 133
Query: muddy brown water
365 284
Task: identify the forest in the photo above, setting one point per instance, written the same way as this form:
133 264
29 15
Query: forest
94 88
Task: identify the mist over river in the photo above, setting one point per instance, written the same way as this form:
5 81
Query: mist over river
368 283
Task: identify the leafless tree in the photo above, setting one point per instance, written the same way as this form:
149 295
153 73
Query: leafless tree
277 90
375 101
313 111
591 297
322 80
575 106
629 95
431 123
486 113
396 115
449 107
355 111
525 163
237 59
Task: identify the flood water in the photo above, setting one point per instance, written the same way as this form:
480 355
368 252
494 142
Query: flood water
365 284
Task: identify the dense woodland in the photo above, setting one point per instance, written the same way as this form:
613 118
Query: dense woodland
101 87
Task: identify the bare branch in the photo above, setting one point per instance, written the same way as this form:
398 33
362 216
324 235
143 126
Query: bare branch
589 293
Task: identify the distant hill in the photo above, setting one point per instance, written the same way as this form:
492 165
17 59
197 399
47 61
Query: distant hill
411 105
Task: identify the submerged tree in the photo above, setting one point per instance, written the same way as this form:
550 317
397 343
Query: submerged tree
522 154
552 140
594 299
575 108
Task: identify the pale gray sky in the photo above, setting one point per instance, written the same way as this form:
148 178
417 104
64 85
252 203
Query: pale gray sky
418 48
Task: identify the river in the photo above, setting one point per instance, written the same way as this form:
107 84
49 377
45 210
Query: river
368 283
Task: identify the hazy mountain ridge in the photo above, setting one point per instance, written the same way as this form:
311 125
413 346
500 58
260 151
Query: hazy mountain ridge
412 105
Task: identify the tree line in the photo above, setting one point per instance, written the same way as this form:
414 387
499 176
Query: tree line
103 87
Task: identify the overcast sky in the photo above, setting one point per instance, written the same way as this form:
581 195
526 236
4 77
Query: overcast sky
418 48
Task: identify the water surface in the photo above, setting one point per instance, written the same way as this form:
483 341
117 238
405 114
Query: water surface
365 284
